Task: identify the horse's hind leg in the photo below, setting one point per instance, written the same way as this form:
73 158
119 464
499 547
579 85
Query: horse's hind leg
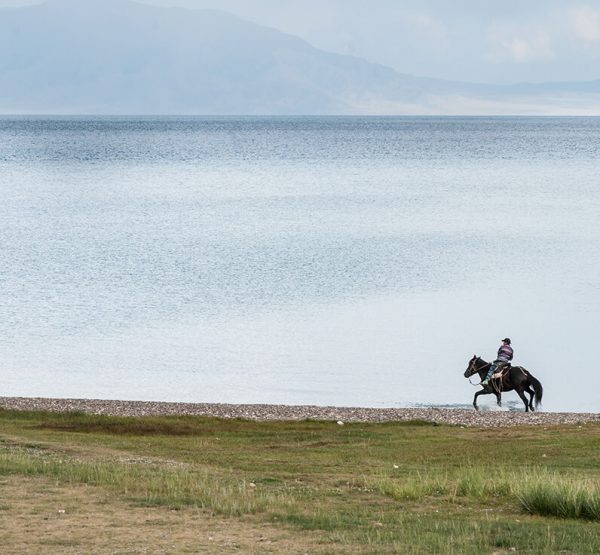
522 395
531 395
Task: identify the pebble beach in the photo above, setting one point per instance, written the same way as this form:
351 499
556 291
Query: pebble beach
342 415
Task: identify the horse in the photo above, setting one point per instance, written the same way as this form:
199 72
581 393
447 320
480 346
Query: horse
513 377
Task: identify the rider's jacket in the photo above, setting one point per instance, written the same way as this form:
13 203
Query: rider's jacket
505 353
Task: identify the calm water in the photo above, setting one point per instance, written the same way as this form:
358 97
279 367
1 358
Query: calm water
357 261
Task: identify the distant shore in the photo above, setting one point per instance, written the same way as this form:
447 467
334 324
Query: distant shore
458 417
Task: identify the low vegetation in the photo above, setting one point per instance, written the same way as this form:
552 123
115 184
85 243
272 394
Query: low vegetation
297 486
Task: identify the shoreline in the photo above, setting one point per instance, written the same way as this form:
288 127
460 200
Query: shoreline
261 412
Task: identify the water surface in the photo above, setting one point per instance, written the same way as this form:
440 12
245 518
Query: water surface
344 261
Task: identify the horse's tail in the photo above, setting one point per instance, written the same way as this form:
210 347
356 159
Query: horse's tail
537 387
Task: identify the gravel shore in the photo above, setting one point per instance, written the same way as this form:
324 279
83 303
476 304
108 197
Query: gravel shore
459 417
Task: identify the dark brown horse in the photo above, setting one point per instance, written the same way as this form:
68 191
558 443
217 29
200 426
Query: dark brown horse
514 377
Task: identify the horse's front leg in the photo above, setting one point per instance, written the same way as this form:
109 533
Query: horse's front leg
499 399
484 391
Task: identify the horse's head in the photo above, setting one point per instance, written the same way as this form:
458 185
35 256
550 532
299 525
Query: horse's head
473 366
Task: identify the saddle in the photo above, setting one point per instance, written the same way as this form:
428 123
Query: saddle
503 370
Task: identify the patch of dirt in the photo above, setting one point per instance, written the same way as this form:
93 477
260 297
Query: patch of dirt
39 517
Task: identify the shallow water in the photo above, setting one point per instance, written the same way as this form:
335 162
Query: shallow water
343 261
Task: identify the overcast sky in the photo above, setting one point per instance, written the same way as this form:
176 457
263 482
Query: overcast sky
504 41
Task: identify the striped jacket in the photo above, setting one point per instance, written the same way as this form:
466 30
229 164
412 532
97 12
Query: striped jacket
505 353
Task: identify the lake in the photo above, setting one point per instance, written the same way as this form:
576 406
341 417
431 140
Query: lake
328 261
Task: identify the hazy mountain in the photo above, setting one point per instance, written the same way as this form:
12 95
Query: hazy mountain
116 56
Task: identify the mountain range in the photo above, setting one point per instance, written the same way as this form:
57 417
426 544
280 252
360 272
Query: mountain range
123 57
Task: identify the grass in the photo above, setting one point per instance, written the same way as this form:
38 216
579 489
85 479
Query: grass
538 491
149 484
315 486
563 498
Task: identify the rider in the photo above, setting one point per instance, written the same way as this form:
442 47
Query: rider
505 355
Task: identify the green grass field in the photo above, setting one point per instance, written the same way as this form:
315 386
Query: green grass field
74 483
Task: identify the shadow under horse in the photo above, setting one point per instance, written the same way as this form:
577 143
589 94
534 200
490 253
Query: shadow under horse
514 377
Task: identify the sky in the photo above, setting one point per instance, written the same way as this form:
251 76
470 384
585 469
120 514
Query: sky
504 41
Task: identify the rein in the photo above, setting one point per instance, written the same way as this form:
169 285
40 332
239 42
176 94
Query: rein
477 372
498 389
474 384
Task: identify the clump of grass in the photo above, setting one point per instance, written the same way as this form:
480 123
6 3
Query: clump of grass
537 491
561 497
151 484
413 488
476 483
482 483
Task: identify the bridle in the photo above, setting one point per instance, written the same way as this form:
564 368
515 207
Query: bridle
473 367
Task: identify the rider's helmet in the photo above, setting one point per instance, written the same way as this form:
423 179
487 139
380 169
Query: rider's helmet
506 340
